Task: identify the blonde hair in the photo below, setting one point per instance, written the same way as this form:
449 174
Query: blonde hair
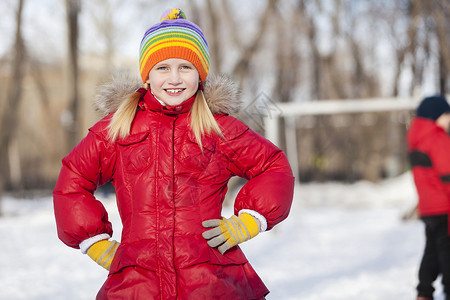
120 124
202 119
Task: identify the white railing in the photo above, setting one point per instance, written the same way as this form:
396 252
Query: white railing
289 111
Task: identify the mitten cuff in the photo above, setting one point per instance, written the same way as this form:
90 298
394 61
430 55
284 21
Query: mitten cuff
87 243
262 220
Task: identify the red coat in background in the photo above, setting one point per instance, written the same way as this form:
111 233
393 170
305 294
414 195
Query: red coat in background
429 152
165 187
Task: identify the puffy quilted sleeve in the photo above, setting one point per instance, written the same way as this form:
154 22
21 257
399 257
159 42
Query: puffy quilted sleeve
270 187
78 214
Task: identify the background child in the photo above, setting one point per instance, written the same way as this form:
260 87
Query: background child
429 153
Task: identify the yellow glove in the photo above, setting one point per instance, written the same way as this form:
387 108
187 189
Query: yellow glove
103 252
227 233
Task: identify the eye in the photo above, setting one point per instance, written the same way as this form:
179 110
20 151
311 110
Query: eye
186 67
161 68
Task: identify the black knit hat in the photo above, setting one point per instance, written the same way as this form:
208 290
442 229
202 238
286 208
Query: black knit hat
433 107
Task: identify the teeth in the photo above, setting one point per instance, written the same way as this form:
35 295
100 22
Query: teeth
174 91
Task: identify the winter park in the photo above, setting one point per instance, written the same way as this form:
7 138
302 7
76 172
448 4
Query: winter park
340 242
146 139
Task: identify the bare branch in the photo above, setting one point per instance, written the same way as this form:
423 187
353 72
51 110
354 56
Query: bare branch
241 67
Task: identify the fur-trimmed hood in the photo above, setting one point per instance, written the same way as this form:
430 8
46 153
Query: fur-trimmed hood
220 91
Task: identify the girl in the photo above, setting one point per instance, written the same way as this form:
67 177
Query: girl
170 149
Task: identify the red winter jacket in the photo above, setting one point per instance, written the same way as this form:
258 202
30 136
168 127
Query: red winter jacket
165 187
429 153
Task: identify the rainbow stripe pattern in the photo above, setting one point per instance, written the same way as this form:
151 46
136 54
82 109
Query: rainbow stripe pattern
174 37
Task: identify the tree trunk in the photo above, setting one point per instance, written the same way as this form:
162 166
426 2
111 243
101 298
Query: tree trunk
9 117
72 126
442 27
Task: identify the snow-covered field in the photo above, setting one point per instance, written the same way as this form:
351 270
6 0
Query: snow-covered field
339 242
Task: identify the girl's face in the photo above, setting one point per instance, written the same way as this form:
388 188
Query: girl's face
444 122
173 80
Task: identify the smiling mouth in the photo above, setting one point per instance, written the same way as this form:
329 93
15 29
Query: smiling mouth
174 91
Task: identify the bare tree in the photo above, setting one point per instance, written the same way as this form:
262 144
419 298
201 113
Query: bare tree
287 54
242 66
105 15
441 15
9 117
425 38
72 126
104 22
216 54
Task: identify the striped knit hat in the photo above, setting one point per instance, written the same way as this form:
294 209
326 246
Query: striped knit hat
174 37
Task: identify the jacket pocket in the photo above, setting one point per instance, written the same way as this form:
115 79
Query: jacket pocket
191 248
141 253
194 158
135 152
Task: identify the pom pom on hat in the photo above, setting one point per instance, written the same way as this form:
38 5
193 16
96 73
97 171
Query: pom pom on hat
433 107
174 37
172 14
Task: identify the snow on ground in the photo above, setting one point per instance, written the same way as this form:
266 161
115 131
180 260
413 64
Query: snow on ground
339 242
